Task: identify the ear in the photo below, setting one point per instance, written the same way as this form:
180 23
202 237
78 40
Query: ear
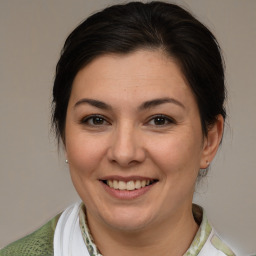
212 142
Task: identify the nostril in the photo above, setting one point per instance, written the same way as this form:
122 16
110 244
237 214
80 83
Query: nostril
125 148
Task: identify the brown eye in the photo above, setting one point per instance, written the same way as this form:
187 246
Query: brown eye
160 120
95 120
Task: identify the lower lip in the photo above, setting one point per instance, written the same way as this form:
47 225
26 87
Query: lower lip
127 194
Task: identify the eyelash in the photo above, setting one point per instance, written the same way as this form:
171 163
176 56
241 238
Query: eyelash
163 117
167 120
93 118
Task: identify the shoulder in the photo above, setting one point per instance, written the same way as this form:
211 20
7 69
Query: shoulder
220 245
207 242
38 243
216 246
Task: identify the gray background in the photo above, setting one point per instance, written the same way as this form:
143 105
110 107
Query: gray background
34 180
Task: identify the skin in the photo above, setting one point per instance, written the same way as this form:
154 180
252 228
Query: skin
128 140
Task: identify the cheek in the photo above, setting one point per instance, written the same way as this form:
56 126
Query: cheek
177 155
84 153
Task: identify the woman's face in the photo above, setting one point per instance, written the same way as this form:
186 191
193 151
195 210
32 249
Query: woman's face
134 140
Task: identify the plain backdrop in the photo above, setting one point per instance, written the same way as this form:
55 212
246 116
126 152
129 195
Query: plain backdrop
34 179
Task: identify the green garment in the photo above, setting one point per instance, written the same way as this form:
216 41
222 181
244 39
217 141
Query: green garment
39 243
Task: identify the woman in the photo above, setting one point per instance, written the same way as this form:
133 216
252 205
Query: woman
138 102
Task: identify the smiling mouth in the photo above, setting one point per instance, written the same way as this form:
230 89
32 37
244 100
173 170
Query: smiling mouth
129 185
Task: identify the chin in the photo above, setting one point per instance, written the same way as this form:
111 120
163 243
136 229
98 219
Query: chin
126 220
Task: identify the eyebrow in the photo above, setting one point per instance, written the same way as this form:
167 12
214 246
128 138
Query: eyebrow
145 105
95 103
157 102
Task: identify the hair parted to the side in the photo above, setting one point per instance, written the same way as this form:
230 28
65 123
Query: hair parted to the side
122 29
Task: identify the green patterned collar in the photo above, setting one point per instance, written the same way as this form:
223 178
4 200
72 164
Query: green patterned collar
91 247
197 244
203 232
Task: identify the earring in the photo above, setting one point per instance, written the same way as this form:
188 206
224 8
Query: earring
203 172
66 161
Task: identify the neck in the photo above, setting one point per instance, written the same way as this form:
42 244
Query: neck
173 237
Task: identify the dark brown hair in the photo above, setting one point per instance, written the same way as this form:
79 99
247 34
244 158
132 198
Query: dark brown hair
122 29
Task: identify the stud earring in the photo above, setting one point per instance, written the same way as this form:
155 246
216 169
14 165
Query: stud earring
66 161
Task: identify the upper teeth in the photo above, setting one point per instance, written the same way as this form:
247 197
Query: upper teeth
130 185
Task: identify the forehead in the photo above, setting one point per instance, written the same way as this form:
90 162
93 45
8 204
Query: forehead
141 74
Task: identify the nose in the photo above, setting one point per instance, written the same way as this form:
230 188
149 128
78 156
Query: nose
126 147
